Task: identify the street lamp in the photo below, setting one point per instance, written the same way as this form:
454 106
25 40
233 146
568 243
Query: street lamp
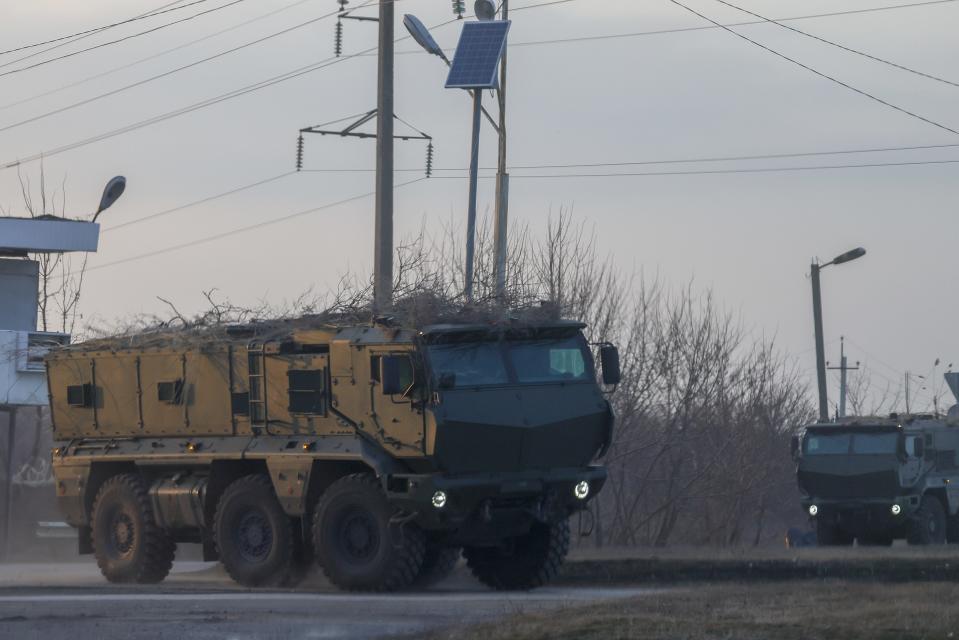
814 270
111 193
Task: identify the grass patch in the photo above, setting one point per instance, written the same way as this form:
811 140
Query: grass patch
806 610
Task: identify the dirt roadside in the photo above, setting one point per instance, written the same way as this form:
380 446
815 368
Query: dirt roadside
803 610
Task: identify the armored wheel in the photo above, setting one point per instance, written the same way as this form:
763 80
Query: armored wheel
357 542
828 534
128 544
438 564
525 562
253 534
928 524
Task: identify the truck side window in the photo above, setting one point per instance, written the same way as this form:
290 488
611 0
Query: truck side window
307 391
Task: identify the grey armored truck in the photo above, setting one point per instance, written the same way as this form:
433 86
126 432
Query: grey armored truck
379 453
874 480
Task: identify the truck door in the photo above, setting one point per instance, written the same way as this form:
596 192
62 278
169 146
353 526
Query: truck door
398 419
910 470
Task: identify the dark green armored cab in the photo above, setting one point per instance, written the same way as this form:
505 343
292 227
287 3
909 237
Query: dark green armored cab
378 452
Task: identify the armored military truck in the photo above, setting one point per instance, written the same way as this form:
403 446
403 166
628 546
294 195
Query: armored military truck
877 479
378 452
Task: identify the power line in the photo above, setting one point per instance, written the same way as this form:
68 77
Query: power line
123 39
637 34
171 71
269 82
259 225
702 172
152 56
766 156
196 202
150 14
815 71
841 46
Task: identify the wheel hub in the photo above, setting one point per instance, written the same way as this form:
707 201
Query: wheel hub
122 532
359 536
254 536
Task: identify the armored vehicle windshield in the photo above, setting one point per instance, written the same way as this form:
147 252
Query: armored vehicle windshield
507 362
851 443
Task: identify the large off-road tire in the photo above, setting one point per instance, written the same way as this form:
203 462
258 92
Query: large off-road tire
438 564
253 534
952 529
928 524
357 546
828 534
128 544
525 562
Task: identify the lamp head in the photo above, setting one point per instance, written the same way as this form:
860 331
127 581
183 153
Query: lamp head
849 256
111 193
485 9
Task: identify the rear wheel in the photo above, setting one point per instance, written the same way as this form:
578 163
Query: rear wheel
357 544
128 544
928 525
254 536
525 562
828 534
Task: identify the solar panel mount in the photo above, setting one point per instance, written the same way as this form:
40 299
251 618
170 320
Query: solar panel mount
476 61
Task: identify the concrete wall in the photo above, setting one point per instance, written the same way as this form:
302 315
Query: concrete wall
19 281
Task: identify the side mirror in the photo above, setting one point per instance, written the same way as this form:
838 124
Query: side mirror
609 359
392 370
794 443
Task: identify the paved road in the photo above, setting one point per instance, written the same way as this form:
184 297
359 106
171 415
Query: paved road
71 602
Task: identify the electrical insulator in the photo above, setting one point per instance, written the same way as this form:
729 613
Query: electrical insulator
459 8
343 4
299 153
429 160
338 39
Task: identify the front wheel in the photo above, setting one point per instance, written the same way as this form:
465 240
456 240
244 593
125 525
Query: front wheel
928 525
128 543
523 563
357 542
253 534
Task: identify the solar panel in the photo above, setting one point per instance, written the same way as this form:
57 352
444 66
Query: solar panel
476 61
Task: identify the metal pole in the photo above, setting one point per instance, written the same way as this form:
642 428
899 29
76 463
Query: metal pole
474 177
907 393
820 346
842 385
500 245
383 250
8 488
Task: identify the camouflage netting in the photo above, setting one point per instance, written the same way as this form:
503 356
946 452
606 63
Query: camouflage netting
217 326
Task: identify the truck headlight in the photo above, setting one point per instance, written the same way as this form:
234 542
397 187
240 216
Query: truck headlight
896 509
813 510
581 490
439 499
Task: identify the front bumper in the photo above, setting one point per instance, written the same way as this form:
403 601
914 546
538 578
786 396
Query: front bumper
501 503
862 517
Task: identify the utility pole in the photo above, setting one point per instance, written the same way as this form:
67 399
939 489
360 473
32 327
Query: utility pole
820 347
474 178
843 368
383 249
500 246
907 392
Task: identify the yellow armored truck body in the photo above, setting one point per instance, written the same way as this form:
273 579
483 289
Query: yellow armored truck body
378 452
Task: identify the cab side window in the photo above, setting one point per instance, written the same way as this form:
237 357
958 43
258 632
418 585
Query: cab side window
307 391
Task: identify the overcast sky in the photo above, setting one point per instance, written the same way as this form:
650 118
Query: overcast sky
668 96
